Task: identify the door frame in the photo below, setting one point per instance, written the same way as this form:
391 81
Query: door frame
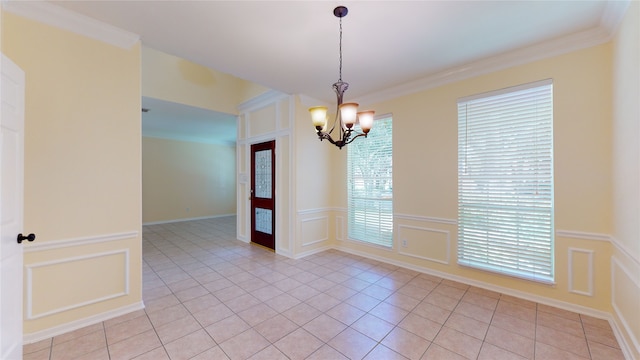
256 237
11 252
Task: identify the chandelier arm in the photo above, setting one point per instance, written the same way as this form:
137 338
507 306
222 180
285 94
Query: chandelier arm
344 139
349 141
335 121
339 87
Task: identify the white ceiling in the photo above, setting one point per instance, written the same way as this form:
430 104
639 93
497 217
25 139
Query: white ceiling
292 46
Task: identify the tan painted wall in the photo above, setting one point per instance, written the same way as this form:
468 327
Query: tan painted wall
82 173
170 78
626 177
425 176
182 180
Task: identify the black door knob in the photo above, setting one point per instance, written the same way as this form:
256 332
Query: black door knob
29 238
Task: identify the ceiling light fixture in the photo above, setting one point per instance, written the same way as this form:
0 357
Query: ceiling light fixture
346 114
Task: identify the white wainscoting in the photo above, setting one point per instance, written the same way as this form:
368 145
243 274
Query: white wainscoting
626 281
573 253
314 230
35 271
427 238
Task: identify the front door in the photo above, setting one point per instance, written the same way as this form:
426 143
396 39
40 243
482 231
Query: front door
263 199
11 210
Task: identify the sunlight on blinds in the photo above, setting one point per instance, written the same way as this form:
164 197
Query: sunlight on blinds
505 181
370 186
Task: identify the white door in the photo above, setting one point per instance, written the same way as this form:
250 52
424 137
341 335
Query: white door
11 211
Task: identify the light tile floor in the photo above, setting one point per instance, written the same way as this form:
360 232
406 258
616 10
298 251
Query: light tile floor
209 296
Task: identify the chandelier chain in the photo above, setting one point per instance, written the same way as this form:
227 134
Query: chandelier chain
340 78
346 114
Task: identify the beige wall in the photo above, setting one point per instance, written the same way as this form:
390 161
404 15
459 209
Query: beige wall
625 265
185 180
82 175
425 179
170 78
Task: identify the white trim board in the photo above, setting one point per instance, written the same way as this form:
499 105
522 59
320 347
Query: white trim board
186 219
425 219
86 240
583 235
80 323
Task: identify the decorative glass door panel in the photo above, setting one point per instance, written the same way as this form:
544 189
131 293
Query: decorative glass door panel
263 174
264 219
263 194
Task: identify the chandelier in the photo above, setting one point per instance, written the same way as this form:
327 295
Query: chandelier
346 113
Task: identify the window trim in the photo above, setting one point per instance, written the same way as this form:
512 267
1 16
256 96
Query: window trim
492 263
376 244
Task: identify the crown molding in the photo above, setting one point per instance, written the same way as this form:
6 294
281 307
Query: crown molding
548 49
262 100
612 15
62 18
309 101
609 22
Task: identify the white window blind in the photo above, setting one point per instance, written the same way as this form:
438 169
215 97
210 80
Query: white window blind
505 181
370 186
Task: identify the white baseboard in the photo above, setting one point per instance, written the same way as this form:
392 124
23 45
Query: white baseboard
503 290
187 219
78 324
312 251
625 347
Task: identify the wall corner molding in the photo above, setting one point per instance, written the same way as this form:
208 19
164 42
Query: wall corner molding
59 17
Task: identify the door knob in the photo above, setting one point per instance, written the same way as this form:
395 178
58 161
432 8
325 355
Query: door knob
29 238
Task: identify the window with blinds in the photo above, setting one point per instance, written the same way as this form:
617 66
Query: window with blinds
505 181
370 186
